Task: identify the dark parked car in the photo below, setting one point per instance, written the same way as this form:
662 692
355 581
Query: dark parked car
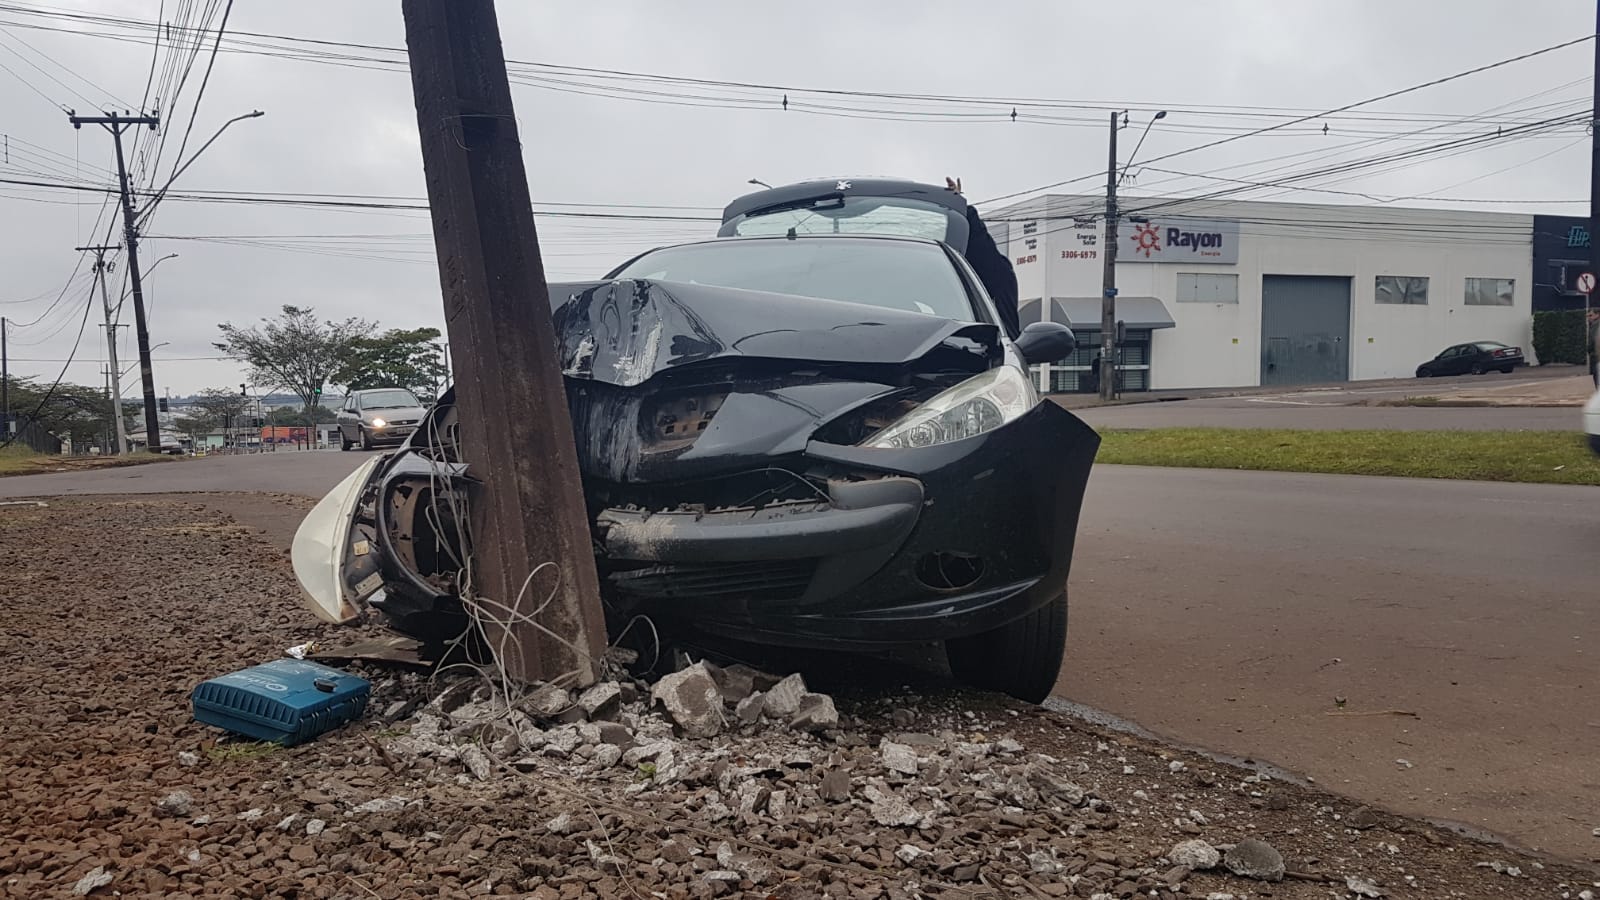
1475 358
814 440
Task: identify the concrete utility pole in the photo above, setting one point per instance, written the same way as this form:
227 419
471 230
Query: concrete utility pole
5 383
527 506
111 345
117 125
1589 338
1108 296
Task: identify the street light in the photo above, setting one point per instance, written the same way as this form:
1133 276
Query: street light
759 183
148 207
1162 114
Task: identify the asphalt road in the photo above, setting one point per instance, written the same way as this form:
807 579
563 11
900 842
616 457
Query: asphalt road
1229 609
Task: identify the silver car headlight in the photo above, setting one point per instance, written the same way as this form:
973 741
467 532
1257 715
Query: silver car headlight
378 423
975 406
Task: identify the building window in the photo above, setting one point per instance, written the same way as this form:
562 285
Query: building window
1403 290
1489 291
1194 287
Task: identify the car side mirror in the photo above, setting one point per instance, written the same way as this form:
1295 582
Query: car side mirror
1043 342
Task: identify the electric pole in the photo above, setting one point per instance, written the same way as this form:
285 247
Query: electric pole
115 384
5 383
526 499
1108 296
117 125
1590 335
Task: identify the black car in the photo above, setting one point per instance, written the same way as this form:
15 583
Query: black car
815 440
1475 358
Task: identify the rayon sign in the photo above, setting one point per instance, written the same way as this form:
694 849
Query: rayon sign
1181 240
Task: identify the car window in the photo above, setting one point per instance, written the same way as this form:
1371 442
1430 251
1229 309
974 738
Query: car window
1491 345
903 275
388 399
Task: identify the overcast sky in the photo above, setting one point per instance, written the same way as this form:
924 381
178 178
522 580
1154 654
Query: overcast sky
350 130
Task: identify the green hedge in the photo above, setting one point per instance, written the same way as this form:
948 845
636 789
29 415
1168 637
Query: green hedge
1559 337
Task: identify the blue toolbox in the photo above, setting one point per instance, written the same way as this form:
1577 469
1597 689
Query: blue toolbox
288 701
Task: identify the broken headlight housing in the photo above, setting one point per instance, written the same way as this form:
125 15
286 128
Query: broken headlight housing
973 407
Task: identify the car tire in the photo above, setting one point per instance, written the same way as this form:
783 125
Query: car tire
1424 373
1507 370
366 439
1021 658
344 442
1477 368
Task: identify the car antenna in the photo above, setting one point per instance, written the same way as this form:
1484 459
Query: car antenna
791 235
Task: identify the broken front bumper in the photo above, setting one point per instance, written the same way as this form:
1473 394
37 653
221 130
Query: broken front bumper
912 545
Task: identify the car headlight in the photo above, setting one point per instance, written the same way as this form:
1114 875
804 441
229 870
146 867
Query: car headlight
378 423
973 407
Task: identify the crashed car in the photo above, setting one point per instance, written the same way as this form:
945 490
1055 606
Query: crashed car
814 440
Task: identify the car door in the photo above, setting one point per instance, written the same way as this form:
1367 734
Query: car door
348 419
1451 361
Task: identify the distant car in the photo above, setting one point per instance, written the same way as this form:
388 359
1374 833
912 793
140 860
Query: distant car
378 416
1475 358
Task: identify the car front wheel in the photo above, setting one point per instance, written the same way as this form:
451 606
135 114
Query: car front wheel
366 439
1022 658
1477 368
1423 373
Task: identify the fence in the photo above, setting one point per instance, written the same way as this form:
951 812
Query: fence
30 434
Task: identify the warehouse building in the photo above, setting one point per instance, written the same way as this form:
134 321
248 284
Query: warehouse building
1236 294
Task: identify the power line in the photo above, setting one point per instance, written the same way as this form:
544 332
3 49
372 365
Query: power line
1349 106
51 392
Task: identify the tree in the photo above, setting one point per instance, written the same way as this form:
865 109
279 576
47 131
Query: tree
222 407
72 412
195 427
296 418
295 351
397 358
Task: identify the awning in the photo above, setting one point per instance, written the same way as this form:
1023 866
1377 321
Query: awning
1083 313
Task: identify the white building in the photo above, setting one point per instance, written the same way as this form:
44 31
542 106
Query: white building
1236 293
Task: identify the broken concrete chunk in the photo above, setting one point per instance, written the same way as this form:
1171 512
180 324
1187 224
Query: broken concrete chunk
816 712
753 869
561 824
902 718
1362 887
783 700
476 761
1254 858
94 879
188 760
675 851
890 810
693 701
547 701
898 757
749 710
740 681
615 734
835 786
1197 855
175 805
601 701
607 755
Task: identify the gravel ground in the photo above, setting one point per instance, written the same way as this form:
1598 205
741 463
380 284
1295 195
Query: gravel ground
116 609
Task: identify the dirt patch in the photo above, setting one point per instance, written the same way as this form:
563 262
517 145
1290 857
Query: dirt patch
107 786
40 465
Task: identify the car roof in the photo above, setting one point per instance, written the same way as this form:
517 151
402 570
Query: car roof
747 238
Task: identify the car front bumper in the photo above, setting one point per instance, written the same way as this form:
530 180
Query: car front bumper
871 563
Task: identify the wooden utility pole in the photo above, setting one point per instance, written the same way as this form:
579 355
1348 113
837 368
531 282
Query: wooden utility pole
527 504
1591 338
117 125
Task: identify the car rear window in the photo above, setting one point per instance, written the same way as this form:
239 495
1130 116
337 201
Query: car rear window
1491 345
893 274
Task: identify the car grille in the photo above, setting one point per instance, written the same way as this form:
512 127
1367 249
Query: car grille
768 580
403 422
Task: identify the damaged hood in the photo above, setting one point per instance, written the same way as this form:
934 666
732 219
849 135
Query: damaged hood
625 332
